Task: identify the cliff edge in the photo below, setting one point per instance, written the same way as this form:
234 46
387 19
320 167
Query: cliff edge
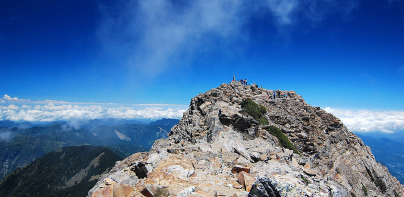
219 149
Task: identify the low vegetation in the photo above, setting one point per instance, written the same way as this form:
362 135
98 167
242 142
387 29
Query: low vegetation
255 110
305 180
365 191
381 185
285 142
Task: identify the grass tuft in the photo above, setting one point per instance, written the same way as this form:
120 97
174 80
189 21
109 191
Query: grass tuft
365 191
285 142
255 110
305 180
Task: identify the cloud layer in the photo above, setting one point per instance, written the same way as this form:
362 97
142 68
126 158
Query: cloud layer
52 112
370 121
75 112
15 109
150 36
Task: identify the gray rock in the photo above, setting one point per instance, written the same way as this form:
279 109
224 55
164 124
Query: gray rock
215 135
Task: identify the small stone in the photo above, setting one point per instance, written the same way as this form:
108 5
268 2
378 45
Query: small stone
237 169
109 181
246 180
146 192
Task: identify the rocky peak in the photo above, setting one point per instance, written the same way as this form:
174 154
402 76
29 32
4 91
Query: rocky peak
218 149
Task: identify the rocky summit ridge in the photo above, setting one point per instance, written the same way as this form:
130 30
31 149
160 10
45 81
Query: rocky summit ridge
218 149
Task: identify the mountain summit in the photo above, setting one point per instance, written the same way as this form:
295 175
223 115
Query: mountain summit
241 140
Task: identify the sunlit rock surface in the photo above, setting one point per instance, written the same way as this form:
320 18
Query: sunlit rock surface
217 149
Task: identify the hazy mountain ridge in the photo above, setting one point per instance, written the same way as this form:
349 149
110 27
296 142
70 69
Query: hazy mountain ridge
69 171
10 124
23 146
388 152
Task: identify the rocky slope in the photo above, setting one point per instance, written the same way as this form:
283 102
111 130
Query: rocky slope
218 149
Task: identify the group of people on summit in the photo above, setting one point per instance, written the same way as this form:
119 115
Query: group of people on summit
244 82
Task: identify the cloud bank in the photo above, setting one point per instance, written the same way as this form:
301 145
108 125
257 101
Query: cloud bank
370 121
15 109
150 36
75 114
52 112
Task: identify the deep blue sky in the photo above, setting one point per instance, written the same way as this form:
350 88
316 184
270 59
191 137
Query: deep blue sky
346 54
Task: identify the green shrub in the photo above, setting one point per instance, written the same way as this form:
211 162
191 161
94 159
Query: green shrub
337 170
381 185
353 195
305 180
396 194
285 142
262 109
255 110
263 121
365 191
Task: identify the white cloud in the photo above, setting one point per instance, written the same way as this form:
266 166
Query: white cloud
52 112
25 107
6 135
150 36
12 107
8 98
283 10
370 121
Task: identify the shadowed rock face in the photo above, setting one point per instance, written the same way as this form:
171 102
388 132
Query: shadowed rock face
218 149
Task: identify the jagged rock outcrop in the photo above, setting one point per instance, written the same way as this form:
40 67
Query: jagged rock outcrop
217 149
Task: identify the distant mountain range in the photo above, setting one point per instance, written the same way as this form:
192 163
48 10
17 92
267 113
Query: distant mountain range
10 124
387 151
69 171
397 136
20 146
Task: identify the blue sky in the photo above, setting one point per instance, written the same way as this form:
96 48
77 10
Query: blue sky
338 54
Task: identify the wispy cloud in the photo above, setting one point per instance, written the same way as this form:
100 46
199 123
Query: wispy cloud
6 134
391 1
370 121
401 70
283 10
150 36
